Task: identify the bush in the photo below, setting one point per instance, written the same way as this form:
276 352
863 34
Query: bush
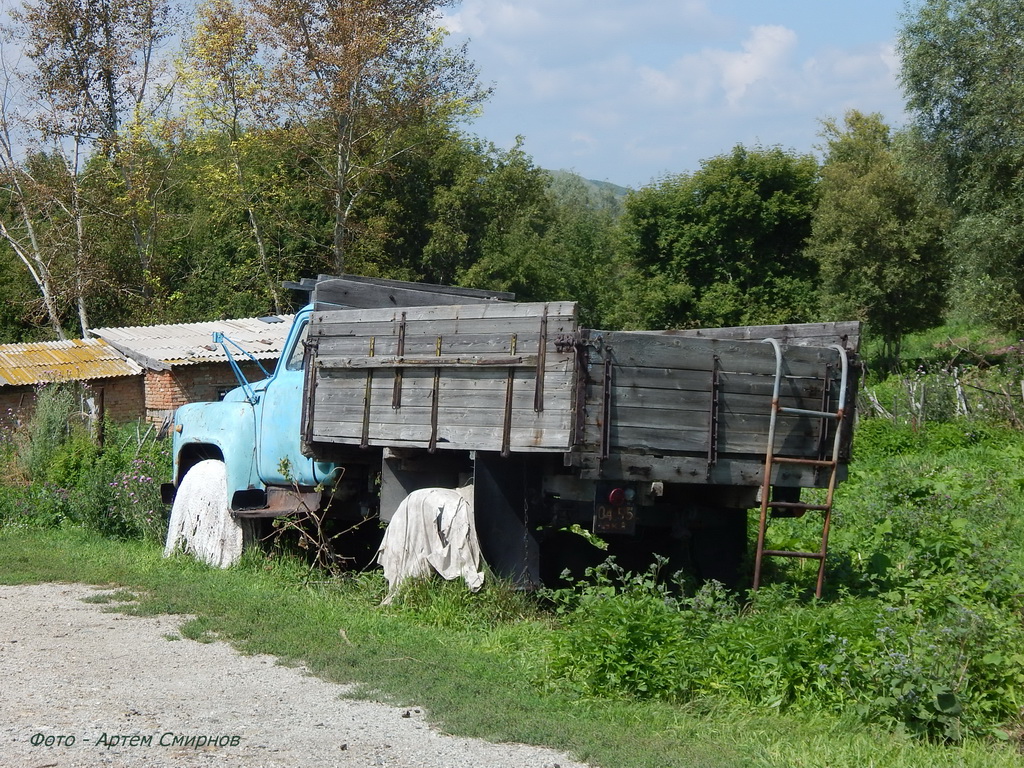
121 489
622 637
921 627
69 479
49 428
941 670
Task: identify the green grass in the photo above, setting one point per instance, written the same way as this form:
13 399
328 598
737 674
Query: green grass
959 343
475 662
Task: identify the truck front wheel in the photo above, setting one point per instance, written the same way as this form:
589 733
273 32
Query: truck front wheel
201 522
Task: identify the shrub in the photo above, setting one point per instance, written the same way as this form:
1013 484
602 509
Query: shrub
49 428
71 480
924 634
121 488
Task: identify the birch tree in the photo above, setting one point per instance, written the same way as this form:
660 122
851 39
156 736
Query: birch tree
94 65
18 225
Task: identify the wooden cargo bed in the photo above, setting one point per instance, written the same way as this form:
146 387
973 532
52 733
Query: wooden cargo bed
678 406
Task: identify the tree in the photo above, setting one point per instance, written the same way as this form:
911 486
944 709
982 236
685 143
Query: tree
92 68
19 227
877 235
963 73
725 244
225 88
354 74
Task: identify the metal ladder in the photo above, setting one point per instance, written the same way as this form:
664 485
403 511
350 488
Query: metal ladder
831 463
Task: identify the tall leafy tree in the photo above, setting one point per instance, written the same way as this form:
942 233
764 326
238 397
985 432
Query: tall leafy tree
354 75
877 234
963 73
724 245
226 89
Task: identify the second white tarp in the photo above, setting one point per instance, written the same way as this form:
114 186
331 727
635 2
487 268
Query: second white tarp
432 530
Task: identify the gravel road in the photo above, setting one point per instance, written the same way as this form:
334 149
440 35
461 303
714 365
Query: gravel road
96 688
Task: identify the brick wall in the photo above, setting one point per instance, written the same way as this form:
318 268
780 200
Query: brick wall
16 403
198 383
123 398
153 395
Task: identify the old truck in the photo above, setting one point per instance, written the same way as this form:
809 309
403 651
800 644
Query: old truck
654 441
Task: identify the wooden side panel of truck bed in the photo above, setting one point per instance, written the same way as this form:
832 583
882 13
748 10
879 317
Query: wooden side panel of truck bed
490 376
685 407
691 409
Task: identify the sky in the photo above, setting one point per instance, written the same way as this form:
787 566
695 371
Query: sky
632 91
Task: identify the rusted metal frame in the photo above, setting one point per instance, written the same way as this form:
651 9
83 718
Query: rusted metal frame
364 441
826 391
285 501
435 394
836 446
713 414
396 396
506 428
431 361
309 353
580 403
542 348
801 555
769 458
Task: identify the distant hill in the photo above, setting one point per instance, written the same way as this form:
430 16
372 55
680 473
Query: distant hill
603 186
601 193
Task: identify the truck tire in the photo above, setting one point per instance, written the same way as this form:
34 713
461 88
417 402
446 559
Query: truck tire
201 522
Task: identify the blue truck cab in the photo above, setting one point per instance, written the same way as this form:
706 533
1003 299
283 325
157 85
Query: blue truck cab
255 431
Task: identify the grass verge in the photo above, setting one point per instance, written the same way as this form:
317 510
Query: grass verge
473 661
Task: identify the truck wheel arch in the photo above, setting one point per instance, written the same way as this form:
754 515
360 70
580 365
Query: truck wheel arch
192 453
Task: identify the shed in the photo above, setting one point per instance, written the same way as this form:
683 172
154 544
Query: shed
182 364
26 367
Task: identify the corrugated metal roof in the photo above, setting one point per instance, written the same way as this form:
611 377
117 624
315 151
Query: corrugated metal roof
190 343
76 359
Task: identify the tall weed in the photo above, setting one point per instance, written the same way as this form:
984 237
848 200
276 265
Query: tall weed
56 474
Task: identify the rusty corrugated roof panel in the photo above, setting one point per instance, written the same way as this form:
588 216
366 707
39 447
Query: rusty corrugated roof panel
190 343
72 360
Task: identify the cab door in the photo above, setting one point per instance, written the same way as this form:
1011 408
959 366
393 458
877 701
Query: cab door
278 446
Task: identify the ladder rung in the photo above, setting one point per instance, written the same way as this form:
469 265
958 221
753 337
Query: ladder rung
806 412
808 462
784 553
797 505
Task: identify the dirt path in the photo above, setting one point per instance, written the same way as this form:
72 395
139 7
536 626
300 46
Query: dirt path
95 688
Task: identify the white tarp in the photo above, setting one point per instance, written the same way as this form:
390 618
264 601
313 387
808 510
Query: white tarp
433 529
201 523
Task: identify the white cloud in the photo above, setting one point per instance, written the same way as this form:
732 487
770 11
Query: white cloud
500 19
764 57
649 86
